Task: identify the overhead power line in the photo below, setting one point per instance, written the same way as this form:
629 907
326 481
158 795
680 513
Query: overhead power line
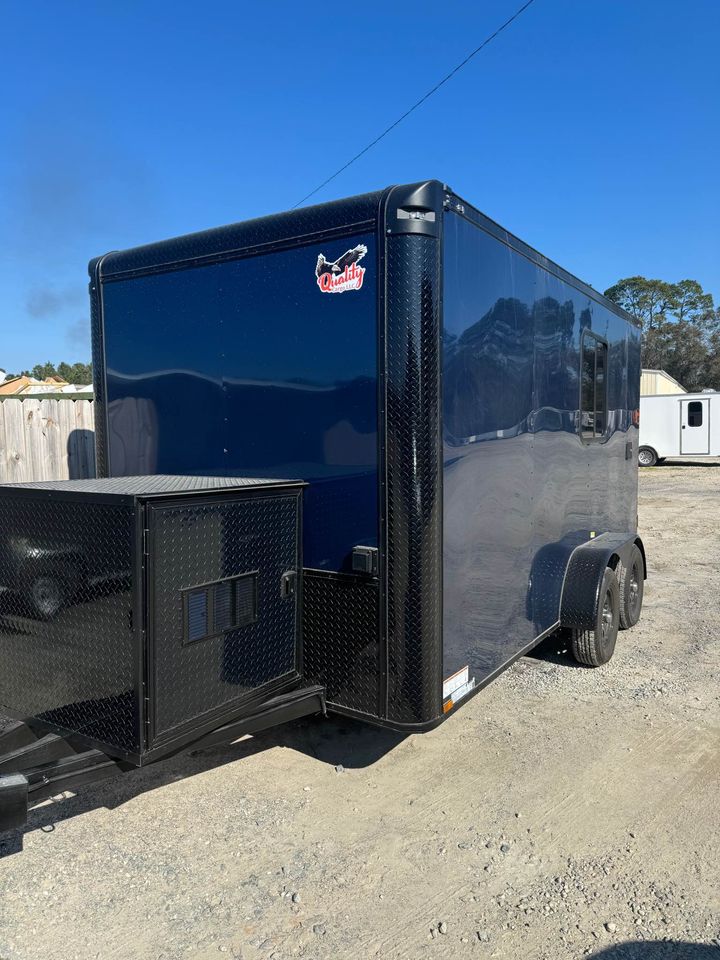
419 103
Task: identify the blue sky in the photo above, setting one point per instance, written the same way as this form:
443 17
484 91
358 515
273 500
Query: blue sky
589 128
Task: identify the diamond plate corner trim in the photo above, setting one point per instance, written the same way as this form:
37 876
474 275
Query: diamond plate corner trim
98 365
413 468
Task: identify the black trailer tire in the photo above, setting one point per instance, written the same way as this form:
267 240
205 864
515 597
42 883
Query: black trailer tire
595 647
647 457
632 584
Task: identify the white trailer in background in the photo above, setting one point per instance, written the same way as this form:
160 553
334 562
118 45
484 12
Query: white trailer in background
679 425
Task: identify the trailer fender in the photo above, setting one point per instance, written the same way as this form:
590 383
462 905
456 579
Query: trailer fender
584 574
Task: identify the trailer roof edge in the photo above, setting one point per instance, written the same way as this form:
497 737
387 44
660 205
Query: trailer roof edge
526 250
242 235
264 233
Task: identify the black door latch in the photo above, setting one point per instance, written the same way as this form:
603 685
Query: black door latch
287 583
365 560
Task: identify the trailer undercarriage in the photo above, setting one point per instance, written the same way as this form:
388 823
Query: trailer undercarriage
36 763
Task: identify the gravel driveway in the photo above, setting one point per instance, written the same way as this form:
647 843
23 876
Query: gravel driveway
562 813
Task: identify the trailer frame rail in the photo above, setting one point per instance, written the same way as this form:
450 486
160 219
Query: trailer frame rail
35 765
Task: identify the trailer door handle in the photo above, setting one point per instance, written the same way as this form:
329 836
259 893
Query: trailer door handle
287 584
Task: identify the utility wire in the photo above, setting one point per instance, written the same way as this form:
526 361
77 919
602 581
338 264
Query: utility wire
419 103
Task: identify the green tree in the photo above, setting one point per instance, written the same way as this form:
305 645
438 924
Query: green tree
79 373
647 300
691 302
41 371
76 373
681 328
712 366
680 348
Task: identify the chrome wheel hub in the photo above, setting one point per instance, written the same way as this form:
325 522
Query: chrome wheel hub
607 617
634 587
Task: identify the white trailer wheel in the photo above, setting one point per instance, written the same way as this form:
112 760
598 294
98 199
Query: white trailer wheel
647 457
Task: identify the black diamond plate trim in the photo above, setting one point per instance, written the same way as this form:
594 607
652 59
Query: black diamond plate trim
340 638
154 485
194 544
337 216
413 559
71 614
67 652
585 569
98 368
546 582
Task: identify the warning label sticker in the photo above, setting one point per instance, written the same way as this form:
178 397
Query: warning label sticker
458 685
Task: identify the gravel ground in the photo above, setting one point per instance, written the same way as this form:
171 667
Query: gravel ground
562 813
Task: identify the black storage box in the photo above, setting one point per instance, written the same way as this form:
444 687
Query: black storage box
139 612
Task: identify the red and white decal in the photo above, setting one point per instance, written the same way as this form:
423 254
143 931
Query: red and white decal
344 274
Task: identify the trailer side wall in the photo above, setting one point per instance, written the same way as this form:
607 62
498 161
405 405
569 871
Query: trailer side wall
521 487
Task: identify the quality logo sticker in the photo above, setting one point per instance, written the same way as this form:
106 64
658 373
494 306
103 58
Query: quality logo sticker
344 274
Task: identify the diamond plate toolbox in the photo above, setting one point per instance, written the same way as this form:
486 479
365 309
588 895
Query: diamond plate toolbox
138 612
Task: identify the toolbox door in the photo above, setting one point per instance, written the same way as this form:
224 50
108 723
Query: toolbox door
223 609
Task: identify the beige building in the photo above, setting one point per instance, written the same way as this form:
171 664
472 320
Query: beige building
30 387
17 386
654 383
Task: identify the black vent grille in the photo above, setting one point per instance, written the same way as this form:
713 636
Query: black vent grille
245 600
197 615
215 608
224 607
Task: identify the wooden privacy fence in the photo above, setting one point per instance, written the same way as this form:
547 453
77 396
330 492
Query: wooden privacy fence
46 439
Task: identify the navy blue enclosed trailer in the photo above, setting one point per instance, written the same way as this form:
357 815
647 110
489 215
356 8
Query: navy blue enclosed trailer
463 411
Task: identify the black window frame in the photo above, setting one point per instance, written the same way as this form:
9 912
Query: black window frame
692 413
597 341
209 590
